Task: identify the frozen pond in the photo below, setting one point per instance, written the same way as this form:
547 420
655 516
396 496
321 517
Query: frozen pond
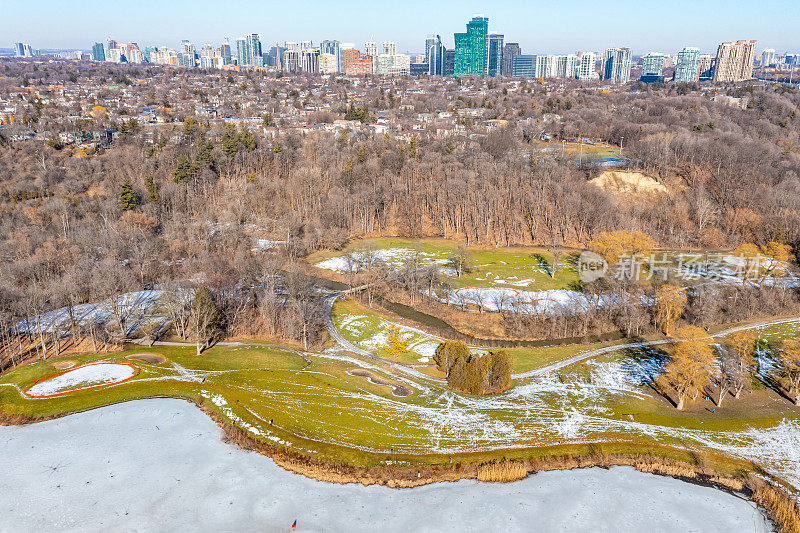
159 465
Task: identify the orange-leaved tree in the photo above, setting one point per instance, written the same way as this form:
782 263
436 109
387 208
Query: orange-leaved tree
790 366
670 301
692 364
612 244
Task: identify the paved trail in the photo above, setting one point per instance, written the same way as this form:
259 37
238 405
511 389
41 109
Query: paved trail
580 356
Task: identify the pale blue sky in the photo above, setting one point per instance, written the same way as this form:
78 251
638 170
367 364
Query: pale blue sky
539 25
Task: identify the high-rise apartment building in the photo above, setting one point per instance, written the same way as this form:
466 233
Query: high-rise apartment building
706 66
242 59
430 41
617 65
401 65
494 65
305 45
653 68
23 50
510 51
356 64
653 64
291 59
98 53
186 58
435 57
524 65
348 56
567 66
734 62
335 49
254 50
472 47
768 57
389 48
327 63
587 70
687 66
371 48
383 62
309 59
449 62
545 66
225 53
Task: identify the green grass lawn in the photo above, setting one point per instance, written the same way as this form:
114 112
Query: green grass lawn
320 410
514 267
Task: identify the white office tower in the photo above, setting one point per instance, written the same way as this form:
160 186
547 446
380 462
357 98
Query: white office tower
617 65
389 48
586 69
567 66
401 65
768 57
309 58
371 48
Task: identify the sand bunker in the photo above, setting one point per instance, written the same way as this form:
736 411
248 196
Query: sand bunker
397 390
150 358
63 365
88 376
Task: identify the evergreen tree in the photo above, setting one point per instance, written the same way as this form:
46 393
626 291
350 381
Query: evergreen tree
412 146
246 139
152 190
205 154
128 198
230 141
183 170
189 126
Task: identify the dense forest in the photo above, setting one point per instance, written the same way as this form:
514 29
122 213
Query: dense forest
187 203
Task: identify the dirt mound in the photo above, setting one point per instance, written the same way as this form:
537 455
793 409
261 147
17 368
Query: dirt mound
397 390
632 185
63 365
151 358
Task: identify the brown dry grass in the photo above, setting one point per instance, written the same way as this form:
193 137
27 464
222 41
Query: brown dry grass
503 471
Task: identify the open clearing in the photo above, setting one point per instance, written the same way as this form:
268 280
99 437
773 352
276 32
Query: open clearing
312 404
135 466
519 278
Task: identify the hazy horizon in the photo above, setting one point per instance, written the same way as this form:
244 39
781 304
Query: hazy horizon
643 26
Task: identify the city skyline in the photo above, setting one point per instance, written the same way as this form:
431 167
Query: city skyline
641 26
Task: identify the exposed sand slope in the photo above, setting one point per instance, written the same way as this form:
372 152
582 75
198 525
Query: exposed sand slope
159 465
630 185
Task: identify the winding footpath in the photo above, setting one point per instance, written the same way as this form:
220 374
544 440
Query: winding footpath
577 358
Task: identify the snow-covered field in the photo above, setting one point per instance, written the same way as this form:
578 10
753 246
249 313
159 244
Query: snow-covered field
370 334
531 302
86 376
393 257
159 465
135 308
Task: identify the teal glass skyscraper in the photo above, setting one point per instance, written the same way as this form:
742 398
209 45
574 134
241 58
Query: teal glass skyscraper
472 47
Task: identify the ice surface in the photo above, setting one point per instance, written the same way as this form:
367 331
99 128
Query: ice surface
159 465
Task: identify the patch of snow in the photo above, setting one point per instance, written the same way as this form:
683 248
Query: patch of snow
83 376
